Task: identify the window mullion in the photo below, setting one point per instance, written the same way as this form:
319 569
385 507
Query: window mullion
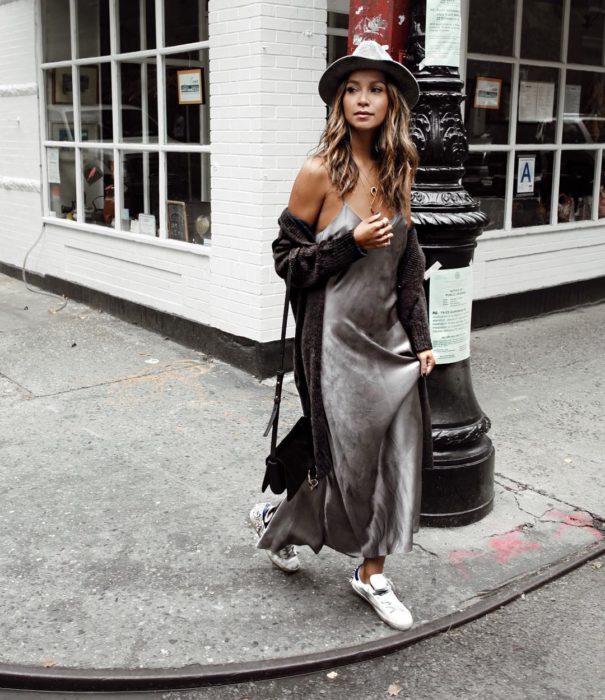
115 114
596 185
161 79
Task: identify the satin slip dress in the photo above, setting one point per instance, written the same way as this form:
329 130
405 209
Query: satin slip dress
369 504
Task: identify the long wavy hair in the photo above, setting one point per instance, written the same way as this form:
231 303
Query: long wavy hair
394 152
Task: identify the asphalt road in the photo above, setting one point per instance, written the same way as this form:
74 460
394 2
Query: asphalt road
549 645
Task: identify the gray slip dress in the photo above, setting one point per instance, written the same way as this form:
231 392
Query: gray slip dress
369 504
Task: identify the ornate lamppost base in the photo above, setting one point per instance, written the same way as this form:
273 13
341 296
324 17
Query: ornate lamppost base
459 490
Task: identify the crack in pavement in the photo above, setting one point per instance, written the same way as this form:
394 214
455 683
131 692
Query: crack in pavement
170 368
541 492
12 381
424 549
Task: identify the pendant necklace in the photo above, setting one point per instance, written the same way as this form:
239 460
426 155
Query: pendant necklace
373 190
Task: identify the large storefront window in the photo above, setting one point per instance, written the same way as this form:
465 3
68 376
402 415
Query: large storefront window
535 111
129 148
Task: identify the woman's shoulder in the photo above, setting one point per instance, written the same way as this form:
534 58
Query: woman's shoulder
314 168
309 190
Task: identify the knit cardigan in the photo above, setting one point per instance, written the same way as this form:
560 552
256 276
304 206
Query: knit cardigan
311 264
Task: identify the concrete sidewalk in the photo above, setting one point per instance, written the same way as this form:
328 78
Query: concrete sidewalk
129 464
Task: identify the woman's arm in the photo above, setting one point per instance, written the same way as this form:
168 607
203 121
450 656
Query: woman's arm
411 300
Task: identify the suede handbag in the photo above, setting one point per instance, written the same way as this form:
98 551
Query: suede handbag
293 460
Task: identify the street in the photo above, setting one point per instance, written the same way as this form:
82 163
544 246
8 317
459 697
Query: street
548 646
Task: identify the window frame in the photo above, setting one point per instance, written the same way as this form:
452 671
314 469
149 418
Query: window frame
558 147
116 145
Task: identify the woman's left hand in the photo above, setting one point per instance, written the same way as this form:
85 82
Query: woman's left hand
427 362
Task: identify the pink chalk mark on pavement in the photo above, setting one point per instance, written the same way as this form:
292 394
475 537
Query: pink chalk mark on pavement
460 557
510 545
576 519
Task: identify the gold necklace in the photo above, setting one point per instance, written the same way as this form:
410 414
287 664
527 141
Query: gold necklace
373 190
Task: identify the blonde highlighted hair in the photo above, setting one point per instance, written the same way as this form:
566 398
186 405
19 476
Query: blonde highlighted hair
394 152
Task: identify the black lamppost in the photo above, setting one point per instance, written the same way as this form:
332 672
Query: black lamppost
459 488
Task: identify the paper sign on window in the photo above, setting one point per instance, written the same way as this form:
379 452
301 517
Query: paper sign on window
526 170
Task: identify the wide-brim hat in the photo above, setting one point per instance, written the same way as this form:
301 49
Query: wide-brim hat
371 55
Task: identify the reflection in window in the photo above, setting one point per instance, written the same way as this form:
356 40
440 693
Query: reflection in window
337 45
576 186
60 169
487 35
140 188
533 189
57 38
488 102
187 114
93 28
59 104
186 21
538 89
584 110
137 25
188 206
485 180
95 102
98 186
541 32
139 109
586 27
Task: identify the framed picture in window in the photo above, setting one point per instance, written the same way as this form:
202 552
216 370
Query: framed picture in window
63 86
176 215
191 86
487 93
66 132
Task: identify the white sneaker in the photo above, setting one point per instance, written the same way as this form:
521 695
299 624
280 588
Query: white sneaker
380 595
286 558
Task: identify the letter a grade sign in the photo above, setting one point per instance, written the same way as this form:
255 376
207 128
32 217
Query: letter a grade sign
526 170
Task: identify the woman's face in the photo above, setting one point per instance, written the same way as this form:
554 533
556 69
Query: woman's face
365 100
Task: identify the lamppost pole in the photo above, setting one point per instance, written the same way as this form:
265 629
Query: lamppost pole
458 490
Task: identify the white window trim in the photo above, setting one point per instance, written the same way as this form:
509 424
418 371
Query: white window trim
77 145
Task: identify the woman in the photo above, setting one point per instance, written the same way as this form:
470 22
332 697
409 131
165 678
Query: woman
362 336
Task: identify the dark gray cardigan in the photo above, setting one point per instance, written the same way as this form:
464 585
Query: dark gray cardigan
311 265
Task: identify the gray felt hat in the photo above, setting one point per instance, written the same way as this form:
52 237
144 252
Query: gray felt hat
368 55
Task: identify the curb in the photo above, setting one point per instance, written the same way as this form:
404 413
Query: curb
91 680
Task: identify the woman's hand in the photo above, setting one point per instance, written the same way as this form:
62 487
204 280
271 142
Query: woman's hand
374 232
427 362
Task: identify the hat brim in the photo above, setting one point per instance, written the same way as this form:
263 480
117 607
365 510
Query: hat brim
399 75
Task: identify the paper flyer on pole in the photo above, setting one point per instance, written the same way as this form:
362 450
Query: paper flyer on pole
443 31
450 307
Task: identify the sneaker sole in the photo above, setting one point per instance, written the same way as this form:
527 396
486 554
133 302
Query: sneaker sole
362 594
279 566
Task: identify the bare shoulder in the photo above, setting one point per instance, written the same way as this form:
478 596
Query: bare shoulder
309 190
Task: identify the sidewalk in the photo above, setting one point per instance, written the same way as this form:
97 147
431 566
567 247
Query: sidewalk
129 464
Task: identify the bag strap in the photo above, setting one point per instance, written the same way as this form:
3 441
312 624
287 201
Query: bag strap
274 419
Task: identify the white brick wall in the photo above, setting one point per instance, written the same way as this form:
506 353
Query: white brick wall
20 211
265 61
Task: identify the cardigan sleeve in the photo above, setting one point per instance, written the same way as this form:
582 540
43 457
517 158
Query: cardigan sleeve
313 263
411 300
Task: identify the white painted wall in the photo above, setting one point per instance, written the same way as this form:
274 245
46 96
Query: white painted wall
20 208
265 61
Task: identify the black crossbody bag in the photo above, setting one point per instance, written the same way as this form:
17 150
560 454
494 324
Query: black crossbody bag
293 460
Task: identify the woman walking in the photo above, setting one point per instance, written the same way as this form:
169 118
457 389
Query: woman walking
362 338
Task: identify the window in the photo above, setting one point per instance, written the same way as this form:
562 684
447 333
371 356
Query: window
129 147
338 29
535 111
